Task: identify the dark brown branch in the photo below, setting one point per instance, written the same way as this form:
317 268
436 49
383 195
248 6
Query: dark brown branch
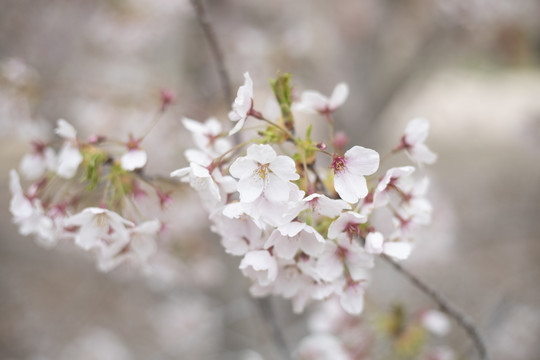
444 305
217 53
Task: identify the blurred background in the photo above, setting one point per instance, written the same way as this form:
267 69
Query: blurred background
470 67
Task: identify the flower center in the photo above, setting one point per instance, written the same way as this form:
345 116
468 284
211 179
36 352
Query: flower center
262 170
338 164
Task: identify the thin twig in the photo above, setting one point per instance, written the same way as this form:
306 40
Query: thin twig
444 305
217 53
265 308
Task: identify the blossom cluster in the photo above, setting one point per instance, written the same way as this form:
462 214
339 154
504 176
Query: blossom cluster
85 192
393 334
300 213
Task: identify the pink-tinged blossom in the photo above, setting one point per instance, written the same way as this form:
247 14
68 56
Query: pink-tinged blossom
313 101
141 246
352 297
30 216
135 158
391 180
70 157
259 266
346 223
200 179
263 172
413 140
100 229
242 104
349 172
288 239
40 160
343 252
322 205
207 136
275 213
239 232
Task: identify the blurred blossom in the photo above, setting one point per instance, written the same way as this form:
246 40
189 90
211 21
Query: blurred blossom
97 344
187 327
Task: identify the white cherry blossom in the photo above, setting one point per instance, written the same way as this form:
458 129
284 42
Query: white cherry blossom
346 223
376 244
352 298
36 163
343 252
349 171
70 157
262 171
413 140
259 266
208 136
100 229
288 239
313 101
242 104
322 205
141 246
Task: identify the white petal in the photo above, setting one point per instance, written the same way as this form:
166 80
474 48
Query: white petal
374 243
416 131
398 250
66 130
350 187
313 100
243 167
263 154
69 160
276 189
339 95
362 161
238 125
421 154
352 299
193 125
284 167
250 188
133 159
329 266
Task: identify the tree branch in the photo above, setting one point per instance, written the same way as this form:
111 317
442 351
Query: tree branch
444 305
265 308
217 53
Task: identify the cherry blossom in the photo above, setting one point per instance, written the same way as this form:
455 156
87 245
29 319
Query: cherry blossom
70 157
313 101
262 171
242 104
343 252
260 266
138 250
396 248
136 157
208 136
100 229
413 140
36 163
346 223
288 239
349 171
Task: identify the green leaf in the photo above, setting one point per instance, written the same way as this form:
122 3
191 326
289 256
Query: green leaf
282 91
